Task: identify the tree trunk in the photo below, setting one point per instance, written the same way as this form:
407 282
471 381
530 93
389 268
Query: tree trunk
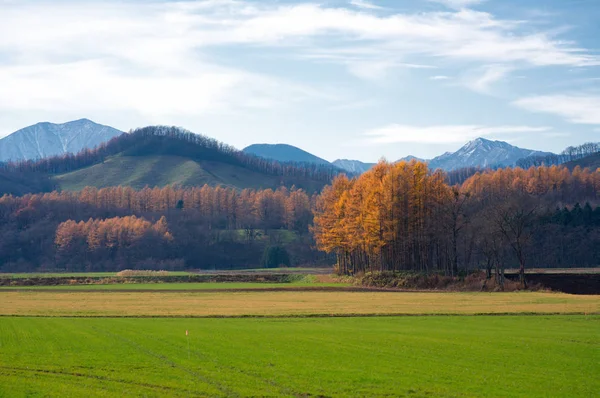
522 275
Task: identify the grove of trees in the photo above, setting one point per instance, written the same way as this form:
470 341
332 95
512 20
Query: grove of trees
403 216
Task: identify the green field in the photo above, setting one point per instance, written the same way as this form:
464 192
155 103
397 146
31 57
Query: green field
294 339
405 356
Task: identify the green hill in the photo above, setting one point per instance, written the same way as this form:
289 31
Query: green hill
159 156
161 170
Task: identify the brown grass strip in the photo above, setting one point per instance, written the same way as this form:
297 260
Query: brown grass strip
286 303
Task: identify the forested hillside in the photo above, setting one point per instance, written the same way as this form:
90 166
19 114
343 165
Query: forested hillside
569 155
20 183
159 156
591 161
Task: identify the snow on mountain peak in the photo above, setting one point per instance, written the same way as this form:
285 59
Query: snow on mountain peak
48 139
481 152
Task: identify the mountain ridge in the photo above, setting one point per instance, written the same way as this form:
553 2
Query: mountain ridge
45 139
481 152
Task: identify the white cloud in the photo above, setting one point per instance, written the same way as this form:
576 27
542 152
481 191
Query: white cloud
491 74
153 57
581 109
184 26
97 85
439 77
365 4
444 134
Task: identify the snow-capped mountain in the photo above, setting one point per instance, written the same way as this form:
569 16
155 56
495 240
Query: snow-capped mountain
482 153
353 166
48 139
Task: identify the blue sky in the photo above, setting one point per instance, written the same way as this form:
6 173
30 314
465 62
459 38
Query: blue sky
351 79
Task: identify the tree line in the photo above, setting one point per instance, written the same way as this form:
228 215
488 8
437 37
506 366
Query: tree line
399 216
112 228
570 154
405 217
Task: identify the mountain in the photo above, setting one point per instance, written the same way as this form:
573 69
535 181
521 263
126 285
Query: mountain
411 157
284 153
353 166
482 153
160 156
48 139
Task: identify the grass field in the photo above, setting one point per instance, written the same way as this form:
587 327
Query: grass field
95 341
180 286
515 356
282 303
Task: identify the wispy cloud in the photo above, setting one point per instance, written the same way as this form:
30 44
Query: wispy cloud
491 74
439 77
365 4
576 108
443 134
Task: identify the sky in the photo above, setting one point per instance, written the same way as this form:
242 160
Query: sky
356 79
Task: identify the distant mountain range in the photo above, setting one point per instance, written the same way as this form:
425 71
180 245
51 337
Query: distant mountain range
284 153
482 153
48 139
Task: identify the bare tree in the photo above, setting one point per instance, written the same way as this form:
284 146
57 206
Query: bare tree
456 222
513 220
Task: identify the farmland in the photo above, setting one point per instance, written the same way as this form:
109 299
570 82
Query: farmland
310 338
398 356
182 286
285 303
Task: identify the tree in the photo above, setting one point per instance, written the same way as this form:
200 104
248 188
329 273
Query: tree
456 222
514 222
